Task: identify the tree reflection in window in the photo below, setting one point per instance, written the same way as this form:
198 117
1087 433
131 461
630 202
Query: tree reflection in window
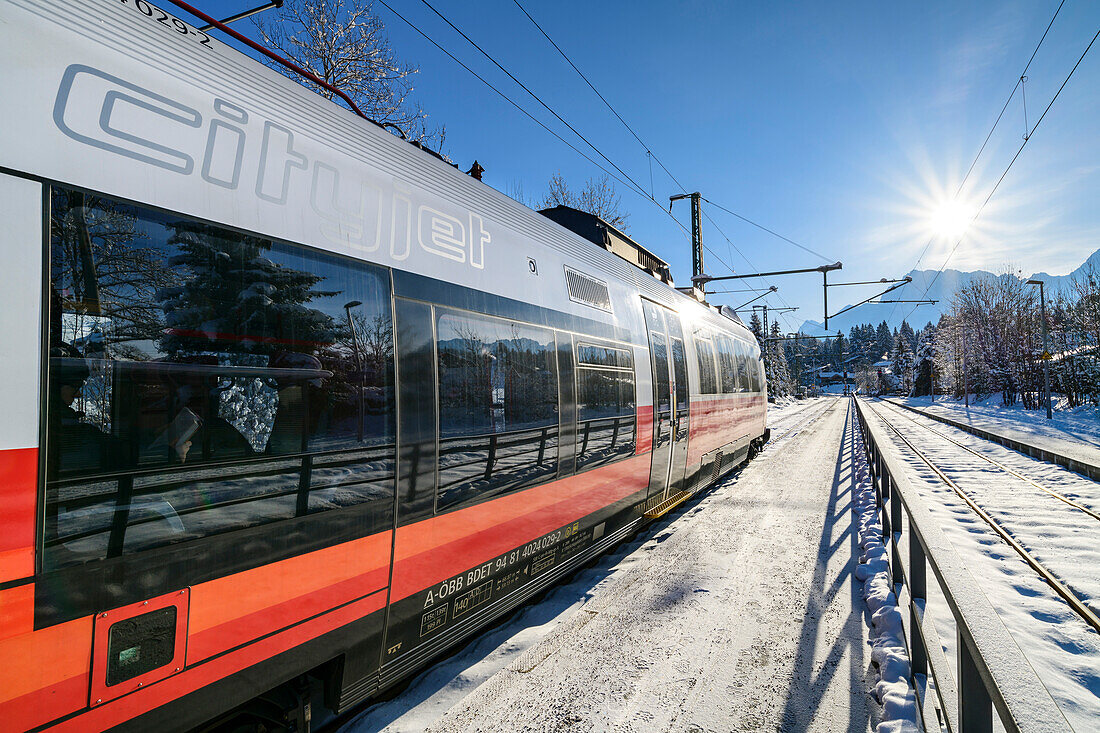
203 380
498 406
704 354
605 405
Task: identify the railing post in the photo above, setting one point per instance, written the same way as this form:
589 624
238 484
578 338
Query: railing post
304 484
492 457
975 705
895 511
883 500
542 445
918 591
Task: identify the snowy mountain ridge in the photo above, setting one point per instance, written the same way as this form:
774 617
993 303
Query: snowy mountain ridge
942 290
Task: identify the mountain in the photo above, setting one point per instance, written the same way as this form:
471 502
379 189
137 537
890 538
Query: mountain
941 291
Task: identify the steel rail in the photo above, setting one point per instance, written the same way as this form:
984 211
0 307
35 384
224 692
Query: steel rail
1006 469
992 673
1079 607
809 415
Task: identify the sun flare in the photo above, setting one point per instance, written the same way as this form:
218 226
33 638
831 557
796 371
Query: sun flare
950 219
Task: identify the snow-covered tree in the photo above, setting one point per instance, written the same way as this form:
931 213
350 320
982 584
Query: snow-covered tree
903 364
343 43
779 378
925 361
884 341
236 300
757 329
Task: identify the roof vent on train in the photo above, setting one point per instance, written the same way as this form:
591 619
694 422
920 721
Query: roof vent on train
731 314
587 289
604 235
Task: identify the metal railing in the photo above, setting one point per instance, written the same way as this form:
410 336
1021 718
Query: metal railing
992 672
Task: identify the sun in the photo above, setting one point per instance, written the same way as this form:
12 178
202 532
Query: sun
950 219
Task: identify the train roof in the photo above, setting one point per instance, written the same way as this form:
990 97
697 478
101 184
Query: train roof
195 85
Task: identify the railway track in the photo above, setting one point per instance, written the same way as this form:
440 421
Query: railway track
1007 469
798 420
1041 532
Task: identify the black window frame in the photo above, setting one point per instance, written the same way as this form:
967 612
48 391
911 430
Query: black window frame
709 383
550 431
161 567
626 367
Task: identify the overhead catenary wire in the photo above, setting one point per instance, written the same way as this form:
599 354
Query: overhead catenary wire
653 156
502 95
1008 167
973 163
630 183
631 186
769 231
536 97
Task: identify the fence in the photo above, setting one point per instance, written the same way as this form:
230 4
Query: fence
992 672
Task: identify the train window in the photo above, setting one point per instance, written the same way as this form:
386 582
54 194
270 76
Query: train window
727 363
498 406
201 380
590 355
752 361
704 352
744 373
605 405
679 367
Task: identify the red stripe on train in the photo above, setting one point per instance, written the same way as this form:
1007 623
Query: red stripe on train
18 492
16 611
644 441
44 674
194 678
245 628
439 548
715 422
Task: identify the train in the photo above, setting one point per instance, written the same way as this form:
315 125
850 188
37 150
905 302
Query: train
293 406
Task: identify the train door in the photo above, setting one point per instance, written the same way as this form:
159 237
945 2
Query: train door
670 401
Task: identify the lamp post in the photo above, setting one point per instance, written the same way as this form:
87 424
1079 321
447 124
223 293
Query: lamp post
358 363
1046 346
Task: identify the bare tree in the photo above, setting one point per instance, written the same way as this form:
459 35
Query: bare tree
558 193
515 191
343 43
597 197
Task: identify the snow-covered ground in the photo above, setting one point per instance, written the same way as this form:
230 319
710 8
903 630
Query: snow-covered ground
1074 433
1061 647
739 610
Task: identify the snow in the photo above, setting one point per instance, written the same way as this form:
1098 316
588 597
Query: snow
1073 433
888 650
739 610
1062 649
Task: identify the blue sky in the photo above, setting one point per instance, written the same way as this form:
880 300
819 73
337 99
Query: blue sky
843 126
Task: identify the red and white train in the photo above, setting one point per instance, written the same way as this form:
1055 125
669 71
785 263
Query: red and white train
292 406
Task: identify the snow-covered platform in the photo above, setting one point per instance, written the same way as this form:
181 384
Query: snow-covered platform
740 611
1071 440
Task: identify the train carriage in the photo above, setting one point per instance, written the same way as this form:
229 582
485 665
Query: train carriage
291 405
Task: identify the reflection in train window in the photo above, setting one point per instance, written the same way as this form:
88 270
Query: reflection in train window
203 380
605 405
704 352
727 363
498 406
744 373
606 356
756 377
